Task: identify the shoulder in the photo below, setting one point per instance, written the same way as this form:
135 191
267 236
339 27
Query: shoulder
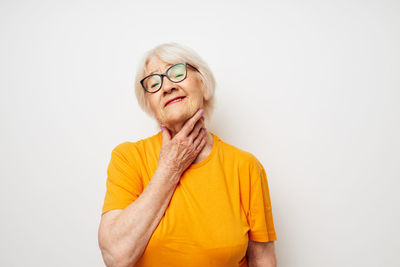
125 150
138 146
124 146
237 154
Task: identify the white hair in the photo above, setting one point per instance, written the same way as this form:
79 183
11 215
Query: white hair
172 53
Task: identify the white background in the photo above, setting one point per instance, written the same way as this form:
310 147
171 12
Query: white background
311 88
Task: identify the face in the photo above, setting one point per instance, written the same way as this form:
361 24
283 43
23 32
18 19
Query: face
191 88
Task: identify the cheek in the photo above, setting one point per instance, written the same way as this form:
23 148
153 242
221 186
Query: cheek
154 105
196 89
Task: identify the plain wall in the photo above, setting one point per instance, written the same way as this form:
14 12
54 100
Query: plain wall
311 88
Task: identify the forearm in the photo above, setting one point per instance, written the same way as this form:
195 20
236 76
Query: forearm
133 228
261 254
267 262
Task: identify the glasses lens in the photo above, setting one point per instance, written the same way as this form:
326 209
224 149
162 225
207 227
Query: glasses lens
177 72
152 83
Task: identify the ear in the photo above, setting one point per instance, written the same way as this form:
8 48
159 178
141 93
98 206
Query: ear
206 96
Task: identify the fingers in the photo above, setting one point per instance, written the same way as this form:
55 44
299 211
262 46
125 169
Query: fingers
189 124
202 135
197 129
201 139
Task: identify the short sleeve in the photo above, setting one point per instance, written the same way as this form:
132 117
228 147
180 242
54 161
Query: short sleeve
260 211
124 184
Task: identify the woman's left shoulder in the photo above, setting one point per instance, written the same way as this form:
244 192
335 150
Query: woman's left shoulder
240 154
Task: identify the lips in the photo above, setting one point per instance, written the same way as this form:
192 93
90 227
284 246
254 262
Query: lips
169 101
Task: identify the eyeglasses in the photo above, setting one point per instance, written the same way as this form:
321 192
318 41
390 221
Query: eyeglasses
176 73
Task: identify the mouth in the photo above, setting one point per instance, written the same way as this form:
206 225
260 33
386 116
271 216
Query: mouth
175 100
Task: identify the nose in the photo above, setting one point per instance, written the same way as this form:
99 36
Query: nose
167 86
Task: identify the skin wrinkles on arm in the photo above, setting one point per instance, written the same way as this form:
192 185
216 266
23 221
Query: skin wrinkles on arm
124 234
261 254
124 240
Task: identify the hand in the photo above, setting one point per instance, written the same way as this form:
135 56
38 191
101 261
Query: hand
177 153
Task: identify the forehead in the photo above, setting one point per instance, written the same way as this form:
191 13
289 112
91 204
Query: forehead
156 65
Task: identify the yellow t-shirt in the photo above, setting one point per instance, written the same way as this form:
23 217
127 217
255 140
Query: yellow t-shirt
219 204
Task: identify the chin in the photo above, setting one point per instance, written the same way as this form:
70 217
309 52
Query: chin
177 117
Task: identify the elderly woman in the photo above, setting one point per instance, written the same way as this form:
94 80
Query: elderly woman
184 197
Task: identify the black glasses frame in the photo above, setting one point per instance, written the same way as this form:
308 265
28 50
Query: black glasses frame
165 74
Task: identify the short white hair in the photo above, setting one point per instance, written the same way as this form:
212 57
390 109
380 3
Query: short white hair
172 53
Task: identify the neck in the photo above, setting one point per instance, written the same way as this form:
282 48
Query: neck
174 129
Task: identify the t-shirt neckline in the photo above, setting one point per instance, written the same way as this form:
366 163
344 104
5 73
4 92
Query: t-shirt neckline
208 158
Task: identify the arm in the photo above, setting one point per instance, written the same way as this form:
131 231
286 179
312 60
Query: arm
124 234
261 254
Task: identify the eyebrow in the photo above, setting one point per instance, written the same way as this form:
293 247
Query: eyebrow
168 65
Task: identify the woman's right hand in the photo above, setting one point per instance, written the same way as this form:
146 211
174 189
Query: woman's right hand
177 153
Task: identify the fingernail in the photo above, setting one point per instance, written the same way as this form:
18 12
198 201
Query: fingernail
161 128
201 111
